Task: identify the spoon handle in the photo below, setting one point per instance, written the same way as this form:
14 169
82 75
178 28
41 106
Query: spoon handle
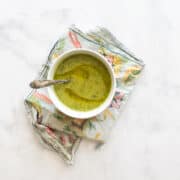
36 84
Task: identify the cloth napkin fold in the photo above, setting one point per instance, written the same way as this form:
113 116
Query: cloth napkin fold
63 133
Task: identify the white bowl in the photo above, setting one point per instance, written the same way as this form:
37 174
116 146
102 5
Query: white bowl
67 110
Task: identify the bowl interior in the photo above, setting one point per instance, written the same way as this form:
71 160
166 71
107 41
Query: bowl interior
75 113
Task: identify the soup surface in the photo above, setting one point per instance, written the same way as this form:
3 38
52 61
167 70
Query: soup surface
89 85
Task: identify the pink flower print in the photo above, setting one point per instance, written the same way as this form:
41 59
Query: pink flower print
116 102
119 96
63 139
110 59
50 131
71 138
74 39
43 97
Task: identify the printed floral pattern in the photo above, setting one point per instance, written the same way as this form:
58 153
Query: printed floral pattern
63 133
131 73
57 50
116 102
74 39
113 59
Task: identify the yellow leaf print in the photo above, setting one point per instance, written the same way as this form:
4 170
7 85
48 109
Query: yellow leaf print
117 69
98 135
114 60
107 113
55 55
117 60
131 73
101 50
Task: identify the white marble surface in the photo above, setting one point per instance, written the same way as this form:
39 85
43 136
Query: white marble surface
145 144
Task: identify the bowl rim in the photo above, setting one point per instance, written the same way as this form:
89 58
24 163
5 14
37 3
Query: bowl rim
64 108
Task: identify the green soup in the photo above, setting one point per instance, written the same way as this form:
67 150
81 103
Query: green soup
89 85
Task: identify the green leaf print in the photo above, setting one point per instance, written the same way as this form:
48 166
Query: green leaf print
57 116
60 44
91 125
136 72
130 78
66 128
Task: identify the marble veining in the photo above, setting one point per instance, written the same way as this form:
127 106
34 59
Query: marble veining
145 143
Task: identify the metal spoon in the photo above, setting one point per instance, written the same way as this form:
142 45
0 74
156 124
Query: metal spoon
36 84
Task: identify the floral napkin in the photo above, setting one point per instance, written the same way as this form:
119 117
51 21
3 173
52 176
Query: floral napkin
63 133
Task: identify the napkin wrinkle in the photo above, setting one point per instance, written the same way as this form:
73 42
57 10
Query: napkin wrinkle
63 133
